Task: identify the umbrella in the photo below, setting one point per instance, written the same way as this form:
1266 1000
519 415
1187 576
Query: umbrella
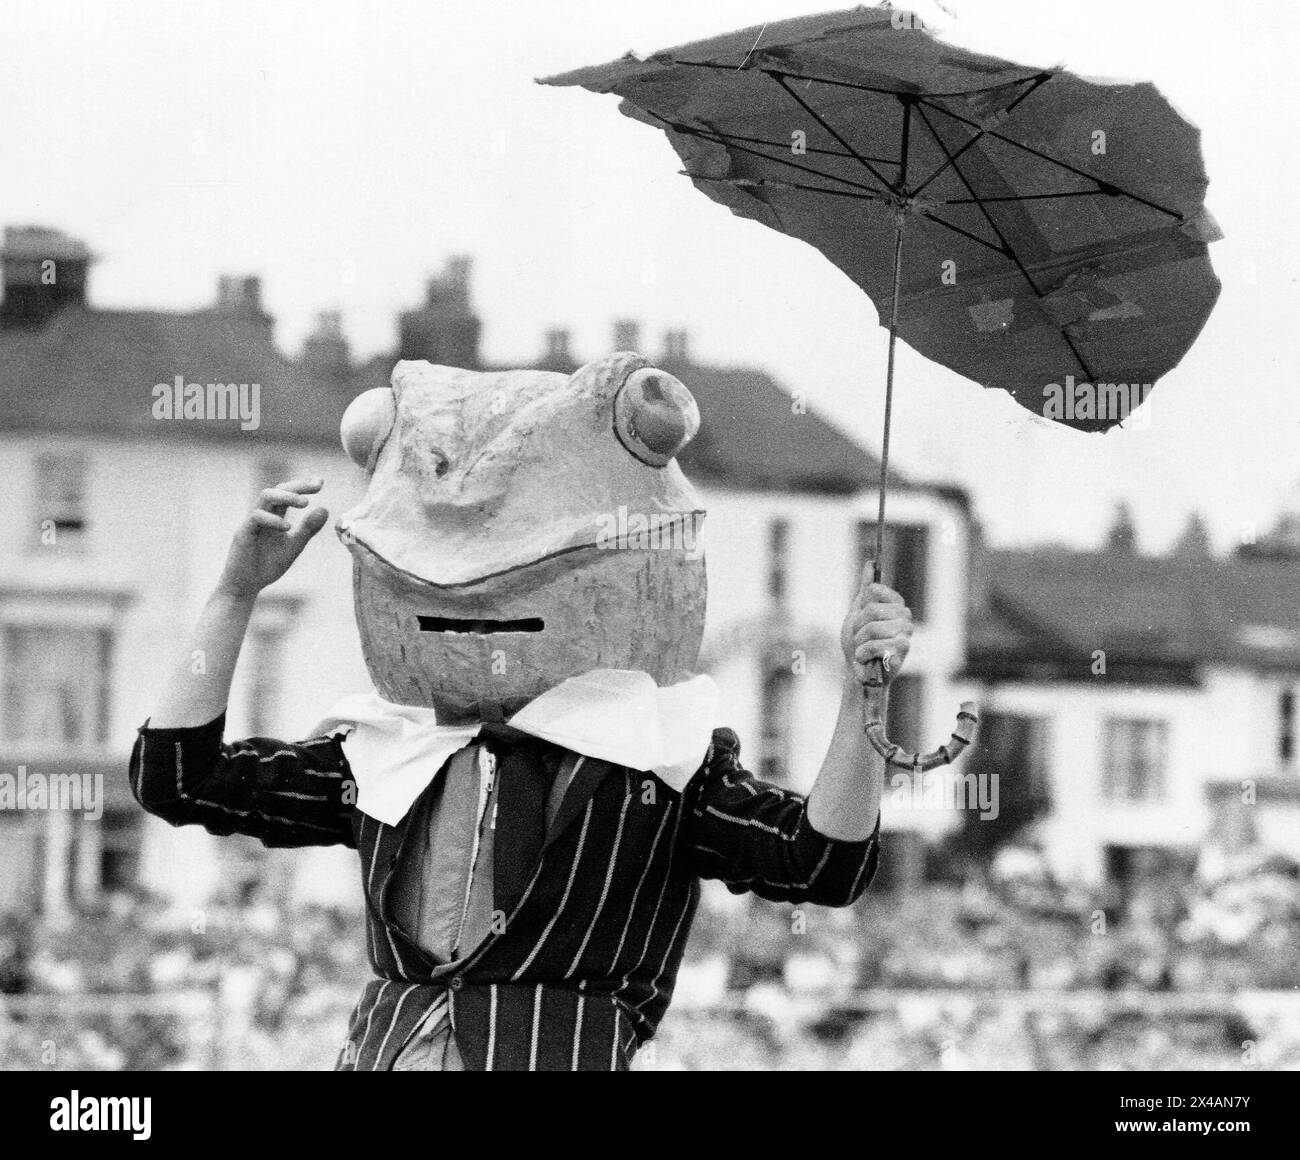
1031 230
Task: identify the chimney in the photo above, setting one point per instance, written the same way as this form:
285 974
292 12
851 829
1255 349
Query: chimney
676 346
557 343
455 279
445 329
240 296
42 270
557 355
1194 542
627 334
1121 538
325 354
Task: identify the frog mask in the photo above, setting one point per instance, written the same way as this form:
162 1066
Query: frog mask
522 527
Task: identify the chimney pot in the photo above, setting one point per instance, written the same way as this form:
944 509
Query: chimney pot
448 291
42 270
557 343
676 346
326 352
240 296
627 334
445 328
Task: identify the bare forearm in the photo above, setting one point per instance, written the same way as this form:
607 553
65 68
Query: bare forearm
845 801
199 686
263 548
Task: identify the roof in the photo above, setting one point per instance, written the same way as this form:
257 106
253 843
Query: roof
752 435
1051 607
93 372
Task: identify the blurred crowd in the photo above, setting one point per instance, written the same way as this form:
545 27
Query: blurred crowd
1008 969
142 986
1235 926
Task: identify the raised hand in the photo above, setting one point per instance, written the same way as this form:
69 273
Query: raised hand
267 542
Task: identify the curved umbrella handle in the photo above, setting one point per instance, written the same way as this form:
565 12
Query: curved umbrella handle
876 697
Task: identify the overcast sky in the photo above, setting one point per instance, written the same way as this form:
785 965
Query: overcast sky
341 150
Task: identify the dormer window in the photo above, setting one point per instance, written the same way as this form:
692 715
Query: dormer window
905 567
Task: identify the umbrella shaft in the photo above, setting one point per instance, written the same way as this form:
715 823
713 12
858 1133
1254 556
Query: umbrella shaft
889 399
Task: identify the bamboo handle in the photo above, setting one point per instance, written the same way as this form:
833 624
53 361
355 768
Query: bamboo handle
875 699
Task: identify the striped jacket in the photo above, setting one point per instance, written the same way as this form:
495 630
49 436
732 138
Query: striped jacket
582 969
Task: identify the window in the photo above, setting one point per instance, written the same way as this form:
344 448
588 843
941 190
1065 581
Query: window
261 665
1014 747
1286 726
60 501
775 715
265 651
20 861
778 560
268 473
55 685
119 854
1134 754
905 566
903 713
1007 765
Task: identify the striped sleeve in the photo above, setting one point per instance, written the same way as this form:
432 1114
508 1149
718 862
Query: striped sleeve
280 793
755 836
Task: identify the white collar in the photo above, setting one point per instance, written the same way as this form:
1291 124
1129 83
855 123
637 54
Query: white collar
615 715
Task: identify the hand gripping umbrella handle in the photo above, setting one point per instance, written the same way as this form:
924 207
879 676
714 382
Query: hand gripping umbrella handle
874 700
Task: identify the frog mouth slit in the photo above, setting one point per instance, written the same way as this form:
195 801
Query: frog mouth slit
479 627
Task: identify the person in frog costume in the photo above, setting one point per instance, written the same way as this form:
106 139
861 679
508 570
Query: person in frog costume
537 785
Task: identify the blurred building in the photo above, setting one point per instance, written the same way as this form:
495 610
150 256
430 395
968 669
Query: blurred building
1143 705
114 529
121 507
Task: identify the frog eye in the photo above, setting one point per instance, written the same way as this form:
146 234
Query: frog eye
366 426
654 416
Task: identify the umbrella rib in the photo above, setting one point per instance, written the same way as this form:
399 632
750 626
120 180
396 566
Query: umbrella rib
1025 197
1038 81
807 108
1107 187
808 148
723 139
1010 251
965 233
907 104
764 183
